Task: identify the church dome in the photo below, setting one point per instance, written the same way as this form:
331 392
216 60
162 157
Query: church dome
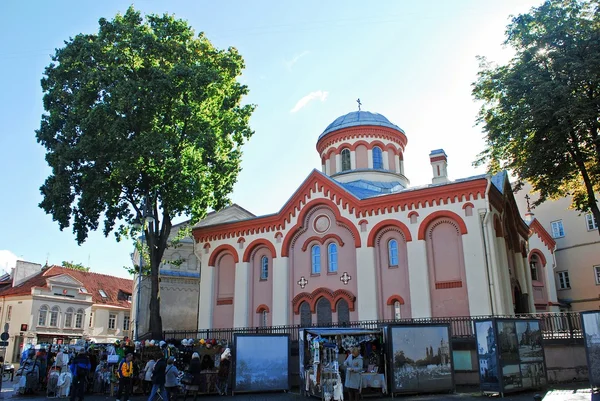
359 118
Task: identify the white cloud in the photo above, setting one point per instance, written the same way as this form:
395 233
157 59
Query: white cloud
290 63
8 260
321 95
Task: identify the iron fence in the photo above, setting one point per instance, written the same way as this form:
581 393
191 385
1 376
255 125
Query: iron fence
555 326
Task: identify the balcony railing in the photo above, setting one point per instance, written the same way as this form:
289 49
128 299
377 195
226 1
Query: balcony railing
555 326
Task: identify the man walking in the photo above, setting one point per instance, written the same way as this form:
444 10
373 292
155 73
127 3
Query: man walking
158 379
80 369
125 373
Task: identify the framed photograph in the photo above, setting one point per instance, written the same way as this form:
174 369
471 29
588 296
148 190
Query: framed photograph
507 342
487 355
533 375
420 358
511 377
261 362
591 332
529 336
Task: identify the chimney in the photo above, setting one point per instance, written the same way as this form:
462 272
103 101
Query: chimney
439 164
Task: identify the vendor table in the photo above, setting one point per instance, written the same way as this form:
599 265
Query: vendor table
373 380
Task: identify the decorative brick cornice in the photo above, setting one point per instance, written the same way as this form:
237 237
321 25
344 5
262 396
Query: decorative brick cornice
263 308
362 132
257 243
388 222
322 240
394 298
332 296
537 228
220 249
539 254
442 213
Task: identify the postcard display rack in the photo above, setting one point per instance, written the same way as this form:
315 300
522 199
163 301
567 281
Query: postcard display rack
420 358
591 333
510 355
321 354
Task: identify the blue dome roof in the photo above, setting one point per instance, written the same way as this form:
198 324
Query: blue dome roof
358 118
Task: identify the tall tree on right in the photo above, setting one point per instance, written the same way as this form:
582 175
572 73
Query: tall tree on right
541 111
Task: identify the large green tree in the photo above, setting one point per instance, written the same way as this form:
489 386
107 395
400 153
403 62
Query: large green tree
541 111
143 115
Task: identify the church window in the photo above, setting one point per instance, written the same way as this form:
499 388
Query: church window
264 268
343 312
79 319
396 311
263 318
346 165
377 158
533 265
305 315
316 259
43 315
393 252
54 316
332 258
69 317
323 312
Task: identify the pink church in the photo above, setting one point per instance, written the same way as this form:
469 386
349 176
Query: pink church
356 242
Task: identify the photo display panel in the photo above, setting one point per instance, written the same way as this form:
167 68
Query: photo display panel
591 332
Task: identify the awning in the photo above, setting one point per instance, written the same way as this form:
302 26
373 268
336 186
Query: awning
332 332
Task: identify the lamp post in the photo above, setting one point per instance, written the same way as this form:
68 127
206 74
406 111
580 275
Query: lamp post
142 221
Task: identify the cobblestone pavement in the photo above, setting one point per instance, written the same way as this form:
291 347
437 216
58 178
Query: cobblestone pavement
566 393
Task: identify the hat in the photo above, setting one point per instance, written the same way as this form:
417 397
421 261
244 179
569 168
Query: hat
195 355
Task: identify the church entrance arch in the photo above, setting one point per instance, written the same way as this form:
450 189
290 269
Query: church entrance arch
520 300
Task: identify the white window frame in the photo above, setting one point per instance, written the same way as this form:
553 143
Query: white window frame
346 157
112 321
315 260
91 319
264 268
564 282
332 258
69 318
397 310
42 315
79 316
54 313
263 318
590 222
126 322
557 228
393 253
597 274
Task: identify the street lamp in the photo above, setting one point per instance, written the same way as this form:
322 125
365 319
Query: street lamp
141 222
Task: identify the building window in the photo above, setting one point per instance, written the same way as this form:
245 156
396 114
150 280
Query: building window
343 313
112 321
324 312
316 259
42 316
377 159
305 315
54 317
126 321
558 230
397 312
591 222
69 317
563 280
346 165
91 319
534 265
79 319
332 258
264 268
102 294
9 313
393 252
263 318
597 274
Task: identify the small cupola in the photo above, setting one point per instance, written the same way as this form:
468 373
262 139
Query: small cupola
439 164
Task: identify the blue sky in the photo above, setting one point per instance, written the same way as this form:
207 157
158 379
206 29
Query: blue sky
306 64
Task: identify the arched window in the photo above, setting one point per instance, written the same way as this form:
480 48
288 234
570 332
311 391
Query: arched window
534 265
393 252
346 165
79 319
263 318
323 312
343 312
54 316
43 315
332 258
305 315
316 259
69 317
377 158
397 313
264 268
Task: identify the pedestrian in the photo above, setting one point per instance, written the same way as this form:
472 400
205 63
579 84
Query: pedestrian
354 368
158 378
80 369
171 374
125 374
147 379
223 373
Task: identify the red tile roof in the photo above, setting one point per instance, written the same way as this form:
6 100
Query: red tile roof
116 289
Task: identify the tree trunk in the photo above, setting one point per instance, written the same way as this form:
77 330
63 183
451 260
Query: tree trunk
157 243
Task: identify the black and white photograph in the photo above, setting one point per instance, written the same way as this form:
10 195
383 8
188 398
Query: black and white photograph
591 328
511 377
421 358
529 336
533 375
508 342
261 363
487 353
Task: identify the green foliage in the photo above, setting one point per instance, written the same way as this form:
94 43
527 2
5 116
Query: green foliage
75 266
142 113
540 112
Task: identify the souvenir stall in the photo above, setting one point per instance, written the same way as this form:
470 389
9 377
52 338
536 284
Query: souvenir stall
322 355
510 355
